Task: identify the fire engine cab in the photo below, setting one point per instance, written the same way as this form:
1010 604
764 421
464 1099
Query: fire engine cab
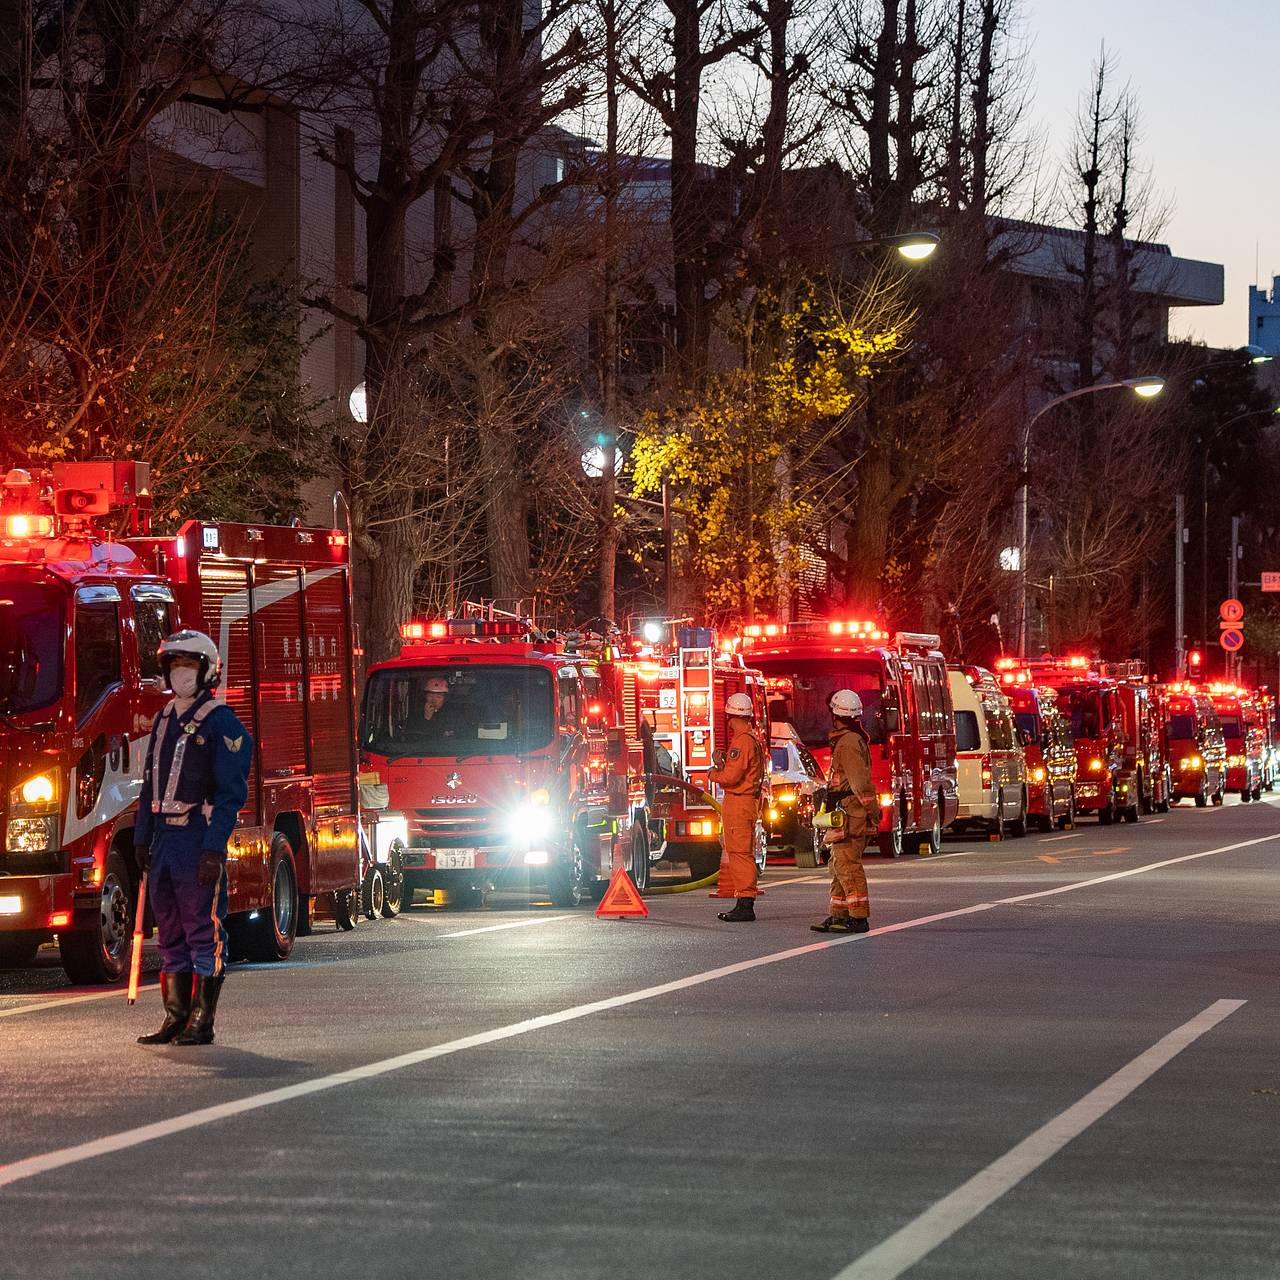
86 598
493 740
907 713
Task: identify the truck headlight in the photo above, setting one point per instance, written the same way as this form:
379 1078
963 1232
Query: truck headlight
533 820
37 795
32 835
1037 774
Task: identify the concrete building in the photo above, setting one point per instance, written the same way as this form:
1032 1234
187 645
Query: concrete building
1264 318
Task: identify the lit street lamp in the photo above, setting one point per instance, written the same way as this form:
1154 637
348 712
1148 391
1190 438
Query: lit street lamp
1147 387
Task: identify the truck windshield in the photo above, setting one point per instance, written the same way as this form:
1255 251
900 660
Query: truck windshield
1231 727
1083 707
498 710
1029 725
32 618
815 680
1182 727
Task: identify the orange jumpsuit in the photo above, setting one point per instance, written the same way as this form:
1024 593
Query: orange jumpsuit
851 771
742 778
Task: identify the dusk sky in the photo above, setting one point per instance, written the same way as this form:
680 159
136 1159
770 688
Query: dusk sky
1208 78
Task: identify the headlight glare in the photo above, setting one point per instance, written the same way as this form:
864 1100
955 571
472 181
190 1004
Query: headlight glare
38 790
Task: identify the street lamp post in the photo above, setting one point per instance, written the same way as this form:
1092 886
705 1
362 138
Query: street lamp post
1146 387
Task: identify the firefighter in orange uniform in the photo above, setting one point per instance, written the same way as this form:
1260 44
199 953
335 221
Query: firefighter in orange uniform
741 775
850 781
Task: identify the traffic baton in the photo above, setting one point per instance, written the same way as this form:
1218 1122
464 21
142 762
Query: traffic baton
135 960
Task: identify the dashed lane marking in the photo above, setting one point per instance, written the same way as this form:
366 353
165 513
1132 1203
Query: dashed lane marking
920 1237
125 1139
1074 835
1048 857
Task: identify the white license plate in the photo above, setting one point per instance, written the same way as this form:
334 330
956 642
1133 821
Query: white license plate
456 860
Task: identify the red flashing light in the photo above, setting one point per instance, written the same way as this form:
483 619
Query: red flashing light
59 919
772 629
337 539
412 631
1078 661
25 526
439 630
1195 659
753 632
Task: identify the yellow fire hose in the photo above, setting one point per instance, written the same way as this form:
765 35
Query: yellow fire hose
705 883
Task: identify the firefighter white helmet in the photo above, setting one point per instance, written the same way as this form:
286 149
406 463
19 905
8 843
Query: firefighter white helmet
437 684
193 644
846 703
739 704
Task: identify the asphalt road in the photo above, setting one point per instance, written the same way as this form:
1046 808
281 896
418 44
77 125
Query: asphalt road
1055 1056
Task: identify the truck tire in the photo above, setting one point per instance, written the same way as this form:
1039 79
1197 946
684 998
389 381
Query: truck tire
94 956
808 854
270 937
638 865
1018 827
565 885
703 860
1068 820
890 842
393 899
346 909
373 893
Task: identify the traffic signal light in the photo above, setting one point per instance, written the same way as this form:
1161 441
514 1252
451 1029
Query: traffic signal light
1195 660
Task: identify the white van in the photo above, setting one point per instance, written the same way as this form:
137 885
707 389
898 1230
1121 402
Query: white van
991 767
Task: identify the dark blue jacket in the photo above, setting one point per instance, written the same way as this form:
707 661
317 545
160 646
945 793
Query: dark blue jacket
215 772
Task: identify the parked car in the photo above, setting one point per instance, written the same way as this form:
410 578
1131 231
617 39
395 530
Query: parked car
795 780
992 770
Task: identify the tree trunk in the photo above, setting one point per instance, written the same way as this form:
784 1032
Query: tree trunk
688 220
868 537
391 576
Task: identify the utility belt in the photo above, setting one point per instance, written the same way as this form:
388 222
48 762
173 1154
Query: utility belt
174 813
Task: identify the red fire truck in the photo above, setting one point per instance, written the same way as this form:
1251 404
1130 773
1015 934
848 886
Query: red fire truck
84 610
1120 764
1046 740
1194 743
907 712
1244 726
668 686
493 740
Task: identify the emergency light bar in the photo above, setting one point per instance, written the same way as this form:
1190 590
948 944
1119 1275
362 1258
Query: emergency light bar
27 526
851 629
463 628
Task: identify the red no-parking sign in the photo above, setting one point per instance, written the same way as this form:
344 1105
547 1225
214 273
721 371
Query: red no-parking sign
1231 639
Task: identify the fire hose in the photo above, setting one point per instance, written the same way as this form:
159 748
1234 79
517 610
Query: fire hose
668 780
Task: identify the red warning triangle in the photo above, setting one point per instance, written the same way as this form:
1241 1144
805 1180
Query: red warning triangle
621 898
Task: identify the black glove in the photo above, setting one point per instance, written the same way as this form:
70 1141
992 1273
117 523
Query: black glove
142 856
211 865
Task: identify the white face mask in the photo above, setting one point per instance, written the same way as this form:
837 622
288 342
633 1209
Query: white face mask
183 681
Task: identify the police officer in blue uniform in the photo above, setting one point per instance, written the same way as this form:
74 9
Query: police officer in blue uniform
194 784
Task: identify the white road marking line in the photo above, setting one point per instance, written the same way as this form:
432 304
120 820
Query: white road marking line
773 884
1074 835
902 1250
935 857
61 1001
514 924
127 1138
50 1160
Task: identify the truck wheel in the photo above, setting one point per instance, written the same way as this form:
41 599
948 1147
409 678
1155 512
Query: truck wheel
346 909
1108 815
270 937
373 893
1202 798
1018 827
890 842
807 852
1068 820
1219 796
703 860
930 844
99 955
760 848
393 883
995 828
565 885
1257 792
638 866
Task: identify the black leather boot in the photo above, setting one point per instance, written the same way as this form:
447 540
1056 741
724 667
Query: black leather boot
200 1027
175 991
744 911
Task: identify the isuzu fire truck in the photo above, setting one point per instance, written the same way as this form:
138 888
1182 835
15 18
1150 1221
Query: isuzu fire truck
667 688
1243 722
82 613
494 741
1194 742
1121 765
907 712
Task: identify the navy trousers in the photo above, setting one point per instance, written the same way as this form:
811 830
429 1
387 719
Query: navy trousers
190 916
